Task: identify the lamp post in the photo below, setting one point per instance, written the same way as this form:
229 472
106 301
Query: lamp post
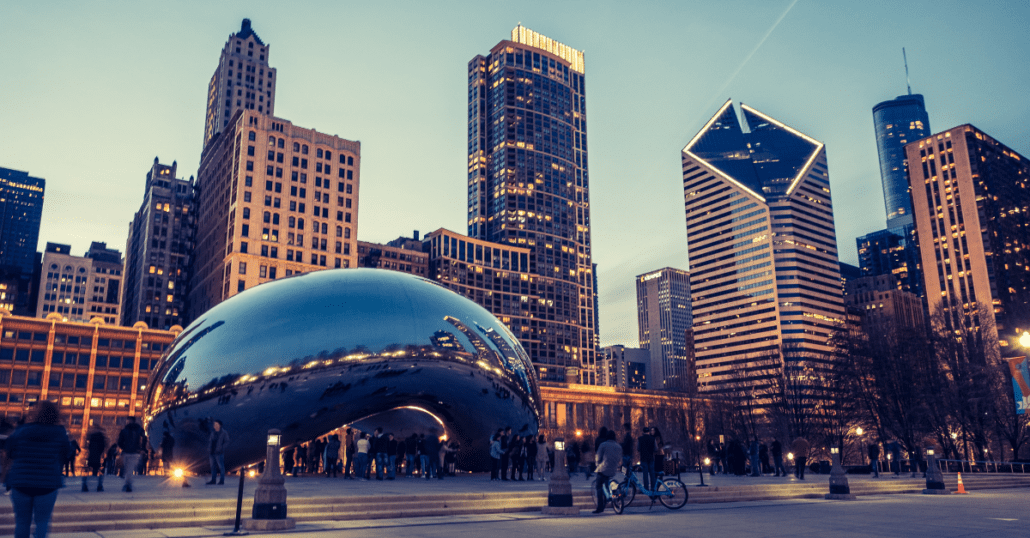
559 489
839 489
934 478
269 512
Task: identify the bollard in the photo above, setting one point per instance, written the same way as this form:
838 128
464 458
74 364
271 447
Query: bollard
934 478
239 508
269 512
839 488
559 490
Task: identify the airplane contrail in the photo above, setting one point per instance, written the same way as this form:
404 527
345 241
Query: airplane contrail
719 95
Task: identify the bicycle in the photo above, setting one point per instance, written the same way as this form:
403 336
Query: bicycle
669 491
612 493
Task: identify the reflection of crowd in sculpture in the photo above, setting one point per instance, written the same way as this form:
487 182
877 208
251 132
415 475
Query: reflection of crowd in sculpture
360 455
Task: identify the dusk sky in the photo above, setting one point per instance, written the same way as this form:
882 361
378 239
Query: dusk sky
91 92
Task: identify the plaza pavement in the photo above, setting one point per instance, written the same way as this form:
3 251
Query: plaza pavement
322 504
984 513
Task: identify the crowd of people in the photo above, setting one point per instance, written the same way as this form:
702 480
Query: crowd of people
378 455
752 458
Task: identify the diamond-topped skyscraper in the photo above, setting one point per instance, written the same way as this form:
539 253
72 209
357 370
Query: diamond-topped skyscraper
764 274
242 80
528 187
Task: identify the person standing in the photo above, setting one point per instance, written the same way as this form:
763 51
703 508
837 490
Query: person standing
96 444
608 457
69 466
432 455
874 459
423 458
288 461
530 447
506 452
627 446
495 457
896 455
379 446
756 465
645 447
542 457
712 457
763 457
37 451
402 454
217 442
777 454
349 452
131 440
515 449
659 451
332 455
167 452
800 447
362 446
391 456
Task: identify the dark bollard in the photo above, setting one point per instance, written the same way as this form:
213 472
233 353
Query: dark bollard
839 488
269 512
934 478
559 490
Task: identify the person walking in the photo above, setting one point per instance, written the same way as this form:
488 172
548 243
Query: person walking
777 454
332 455
800 447
541 456
874 459
608 458
362 446
131 441
217 442
37 452
645 447
96 444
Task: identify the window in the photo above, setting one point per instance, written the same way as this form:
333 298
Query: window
275 218
271 272
246 212
347 217
243 247
278 203
339 231
349 189
339 247
263 271
275 254
348 203
245 230
319 153
304 163
339 215
250 166
282 142
248 181
264 252
240 286
243 268
292 222
250 151
252 136
268 185
269 170
304 149
346 233
300 224
337 263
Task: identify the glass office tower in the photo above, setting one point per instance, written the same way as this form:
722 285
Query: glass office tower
898 122
528 187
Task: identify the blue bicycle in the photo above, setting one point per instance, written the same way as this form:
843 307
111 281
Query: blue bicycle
669 491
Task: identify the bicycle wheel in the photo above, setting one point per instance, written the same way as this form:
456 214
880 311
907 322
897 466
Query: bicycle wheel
618 496
629 491
673 493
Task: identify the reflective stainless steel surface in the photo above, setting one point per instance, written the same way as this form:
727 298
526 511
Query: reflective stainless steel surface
310 353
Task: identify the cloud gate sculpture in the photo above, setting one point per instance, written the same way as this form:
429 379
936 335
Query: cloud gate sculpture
310 353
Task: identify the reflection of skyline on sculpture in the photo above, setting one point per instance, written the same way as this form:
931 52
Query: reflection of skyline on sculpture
311 353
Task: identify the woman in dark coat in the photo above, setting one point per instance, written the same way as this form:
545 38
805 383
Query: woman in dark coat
38 451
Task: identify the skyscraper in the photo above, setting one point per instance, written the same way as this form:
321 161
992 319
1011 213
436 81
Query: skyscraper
274 200
242 80
664 322
972 214
158 251
21 207
81 288
898 122
764 274
892 252
528 187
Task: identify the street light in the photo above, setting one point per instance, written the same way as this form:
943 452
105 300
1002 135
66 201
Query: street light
859 430
1024 340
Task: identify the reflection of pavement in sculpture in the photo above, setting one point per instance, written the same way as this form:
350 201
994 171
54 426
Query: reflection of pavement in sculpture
310 353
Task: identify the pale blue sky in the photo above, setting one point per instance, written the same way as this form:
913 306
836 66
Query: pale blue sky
90 92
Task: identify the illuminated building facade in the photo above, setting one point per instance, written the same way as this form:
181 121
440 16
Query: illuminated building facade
663 322
882 304
764 274
892 252
274 200
81 288
898 122
528 186
628 367
972 214
242 81
158 251
96 372
21 208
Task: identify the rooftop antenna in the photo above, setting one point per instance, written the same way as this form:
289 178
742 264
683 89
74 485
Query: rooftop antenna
908 82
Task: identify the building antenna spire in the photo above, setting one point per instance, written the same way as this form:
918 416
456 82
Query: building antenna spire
908 82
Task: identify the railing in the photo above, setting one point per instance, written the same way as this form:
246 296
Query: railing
965 466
